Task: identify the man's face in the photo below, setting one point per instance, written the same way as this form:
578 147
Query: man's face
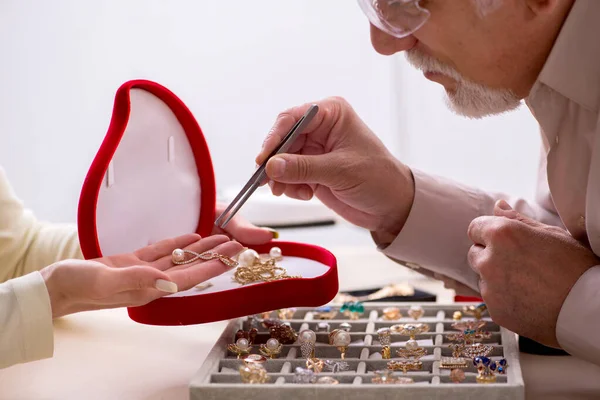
486 59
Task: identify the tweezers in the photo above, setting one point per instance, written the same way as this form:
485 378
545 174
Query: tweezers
258 176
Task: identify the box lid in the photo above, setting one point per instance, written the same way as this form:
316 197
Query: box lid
152 179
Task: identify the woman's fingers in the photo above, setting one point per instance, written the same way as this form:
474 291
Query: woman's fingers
164 247
188 276
198 246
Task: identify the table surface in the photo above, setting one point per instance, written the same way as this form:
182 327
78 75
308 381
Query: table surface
105 355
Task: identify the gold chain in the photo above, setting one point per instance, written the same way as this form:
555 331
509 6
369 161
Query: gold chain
261 271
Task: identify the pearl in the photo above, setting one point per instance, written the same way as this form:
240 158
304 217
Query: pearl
411 344
342 339
242 343
248 258
275 252
308 336
178 255
272 344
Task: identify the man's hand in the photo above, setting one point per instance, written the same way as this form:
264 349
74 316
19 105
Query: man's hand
133 279
526 270
243 231
341 161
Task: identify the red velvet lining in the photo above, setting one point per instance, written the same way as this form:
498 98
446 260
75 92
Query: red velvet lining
86 216
247 300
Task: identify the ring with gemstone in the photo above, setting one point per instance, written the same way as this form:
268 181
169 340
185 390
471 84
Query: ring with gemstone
271 349
410 330
336 366
323 327
255 358
307 340
315 364
241 347
353 309
253 373
405 365
477 350
303 375
341 340
283 333
391 314
384 339
475 311
416 312
324 313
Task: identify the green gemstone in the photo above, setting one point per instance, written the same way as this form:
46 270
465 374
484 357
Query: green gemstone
359 308
345 307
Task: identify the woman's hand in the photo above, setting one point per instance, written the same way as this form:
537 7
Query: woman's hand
133 279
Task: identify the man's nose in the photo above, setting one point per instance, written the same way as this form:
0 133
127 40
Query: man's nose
387 45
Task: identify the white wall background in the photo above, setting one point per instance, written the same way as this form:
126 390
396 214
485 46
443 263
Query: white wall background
236 64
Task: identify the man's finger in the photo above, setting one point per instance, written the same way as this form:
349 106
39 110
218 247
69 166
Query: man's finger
479 229
284 122
164 247
474 257
308 169
247 233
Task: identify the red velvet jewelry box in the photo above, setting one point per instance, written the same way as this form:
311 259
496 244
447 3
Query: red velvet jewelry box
152 179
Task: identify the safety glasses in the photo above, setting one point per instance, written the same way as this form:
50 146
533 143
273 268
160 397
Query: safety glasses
398 18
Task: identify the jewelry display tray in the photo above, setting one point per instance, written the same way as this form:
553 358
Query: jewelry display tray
218 377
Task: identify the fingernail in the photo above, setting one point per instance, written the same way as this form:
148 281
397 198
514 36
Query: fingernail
166 286
273 231
305 194
277 167
503 205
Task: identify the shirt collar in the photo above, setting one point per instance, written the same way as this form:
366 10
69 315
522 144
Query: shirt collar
573 66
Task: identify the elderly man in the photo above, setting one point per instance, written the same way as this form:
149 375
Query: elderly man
535 263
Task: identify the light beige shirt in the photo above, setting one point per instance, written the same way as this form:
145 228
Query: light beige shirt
26 246
565 100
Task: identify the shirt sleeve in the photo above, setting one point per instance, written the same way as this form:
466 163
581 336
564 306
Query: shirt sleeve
579 318
27 244
26 320
434 236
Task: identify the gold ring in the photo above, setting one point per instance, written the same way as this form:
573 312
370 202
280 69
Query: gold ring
253 373
391 314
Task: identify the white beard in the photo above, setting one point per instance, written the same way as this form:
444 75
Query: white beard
470 99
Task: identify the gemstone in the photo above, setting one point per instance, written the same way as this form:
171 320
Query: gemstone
272 344
485 361
275 252
342 339
502 362
178 255
359 308
500 369
308 336
493 366
248 258
476 361
345 307
411 344
242 343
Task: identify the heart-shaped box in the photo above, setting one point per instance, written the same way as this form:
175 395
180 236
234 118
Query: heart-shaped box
152 179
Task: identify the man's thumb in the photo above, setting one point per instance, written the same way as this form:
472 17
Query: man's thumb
298 169
144 277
